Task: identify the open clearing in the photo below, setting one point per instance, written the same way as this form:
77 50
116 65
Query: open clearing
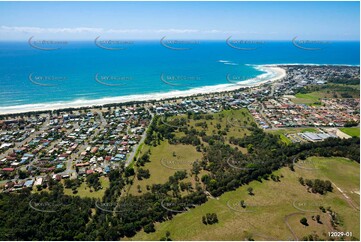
353 131
235 121
291 130
308 98
275 210
327 91
165 160
83 190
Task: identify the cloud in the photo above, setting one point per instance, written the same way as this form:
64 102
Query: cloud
18 32
37 30
140 31
79 30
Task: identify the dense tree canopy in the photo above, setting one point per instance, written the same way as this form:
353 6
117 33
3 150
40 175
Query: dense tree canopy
55 216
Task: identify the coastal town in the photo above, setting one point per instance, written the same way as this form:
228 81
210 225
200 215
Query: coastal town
76 143
180 120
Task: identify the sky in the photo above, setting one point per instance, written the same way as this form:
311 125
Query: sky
182 20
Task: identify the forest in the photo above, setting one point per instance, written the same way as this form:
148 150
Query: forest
54 216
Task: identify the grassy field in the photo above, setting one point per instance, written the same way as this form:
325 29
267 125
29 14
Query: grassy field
285 139
343 172
273 207
165 160
83 190
353 131
327 91
308 98
236 120
291 130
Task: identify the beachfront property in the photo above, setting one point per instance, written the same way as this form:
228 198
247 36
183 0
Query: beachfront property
77 143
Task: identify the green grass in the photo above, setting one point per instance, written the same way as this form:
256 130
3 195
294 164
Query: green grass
308 98
84 190
282 133
137 152
341 171
353 131
236 121
285 140
291 130
272 202
165 160
326 91
139 149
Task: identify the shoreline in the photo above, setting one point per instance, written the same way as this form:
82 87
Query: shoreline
272 73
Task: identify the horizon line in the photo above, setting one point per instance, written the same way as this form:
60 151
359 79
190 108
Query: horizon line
180 39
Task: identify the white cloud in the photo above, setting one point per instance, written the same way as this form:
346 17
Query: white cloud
177 31
88 33
37 30
78 30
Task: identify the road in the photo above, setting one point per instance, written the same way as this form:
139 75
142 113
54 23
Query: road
135 147
28 139
81 147
289 226
264 117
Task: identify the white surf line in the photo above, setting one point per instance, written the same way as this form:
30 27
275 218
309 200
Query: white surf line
273 73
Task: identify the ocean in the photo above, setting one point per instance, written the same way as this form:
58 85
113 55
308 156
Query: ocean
82 71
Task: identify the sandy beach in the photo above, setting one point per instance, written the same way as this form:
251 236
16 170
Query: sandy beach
272 73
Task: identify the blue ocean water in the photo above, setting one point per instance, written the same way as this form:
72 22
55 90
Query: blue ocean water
83 71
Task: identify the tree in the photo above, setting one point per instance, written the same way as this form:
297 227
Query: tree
149 228
243 204
318 219
250 148
210 218
204 220
22 174
196 168
93 181
68 183
129 171
142 173
304 221
167 237
301 181
250 191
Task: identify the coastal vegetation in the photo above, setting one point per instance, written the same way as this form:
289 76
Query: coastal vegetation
211 161
274 205
312 94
